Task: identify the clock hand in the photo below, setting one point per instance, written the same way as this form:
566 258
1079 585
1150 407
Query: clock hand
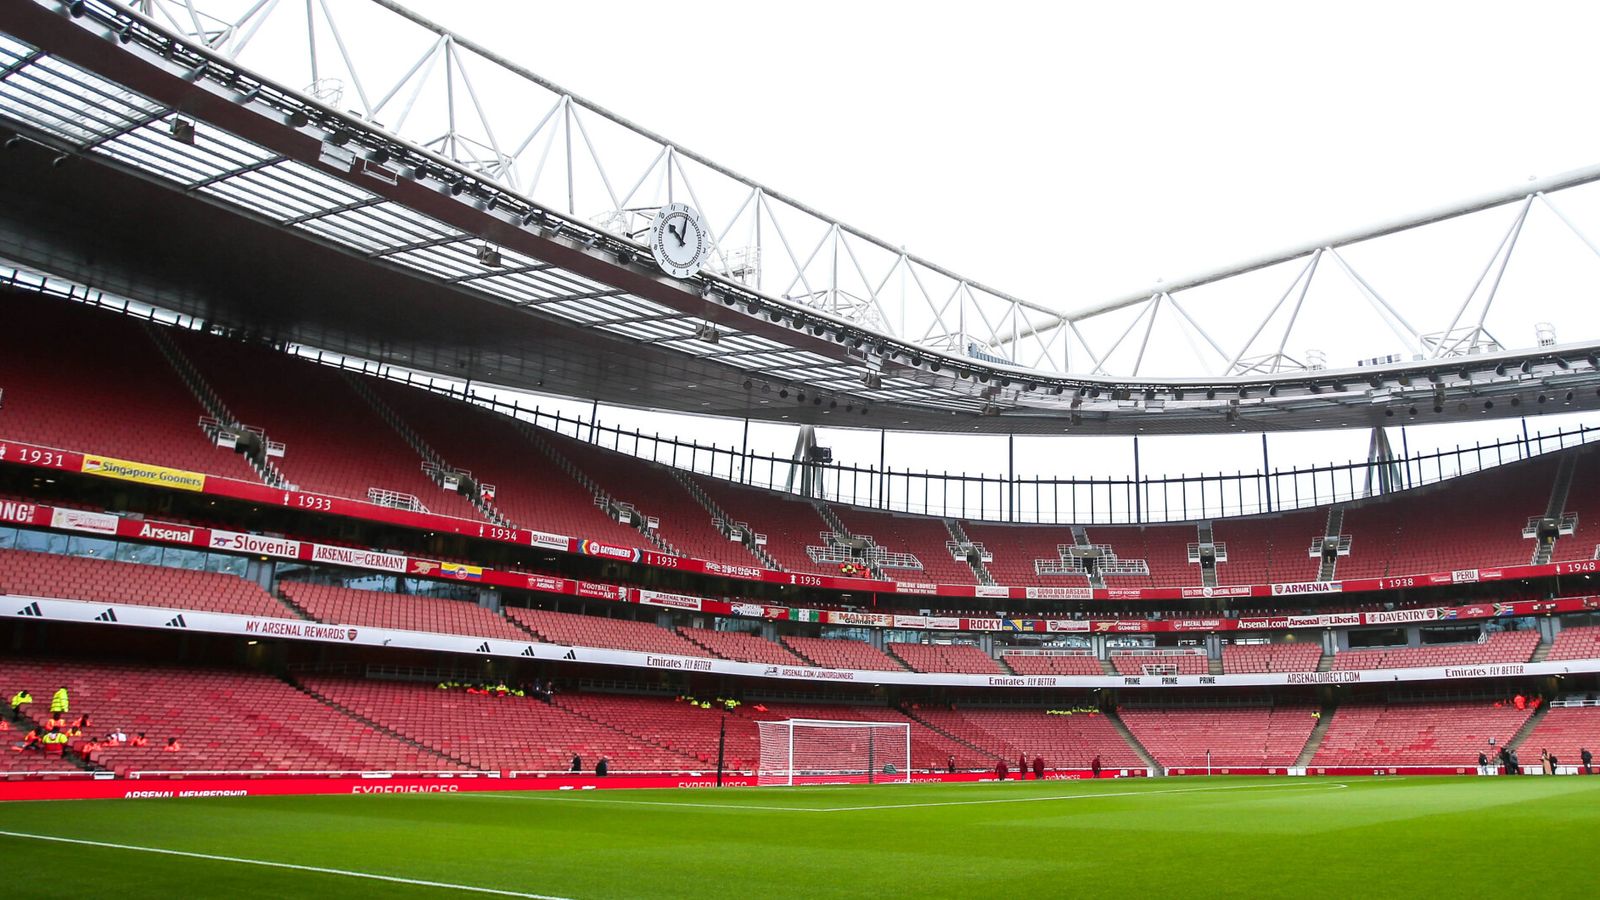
677 233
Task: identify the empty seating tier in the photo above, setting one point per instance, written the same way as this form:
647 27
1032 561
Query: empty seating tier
957 658
1576 643
505 733
923 537
1417 734
842 653
224 720
1141 662
1245 736
343 606
1565 731
1024 663
103 388
1244 658
1500 647
1063 742
108 581
742 646
335 442
530 488
574 630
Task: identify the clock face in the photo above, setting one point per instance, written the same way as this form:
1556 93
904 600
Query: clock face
678 240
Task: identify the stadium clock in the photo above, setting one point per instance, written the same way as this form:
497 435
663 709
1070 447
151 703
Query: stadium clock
678 240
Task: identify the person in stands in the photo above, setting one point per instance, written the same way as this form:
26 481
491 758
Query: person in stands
1038 768
1588 760
172 746
116 736
1000 770
1095 766
950 764
577 762
1483 763
18 701
1022 766
30 741
602 766
1545 761
54 742
1505 761
138 740
59 704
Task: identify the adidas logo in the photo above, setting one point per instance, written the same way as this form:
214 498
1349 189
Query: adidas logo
571 654
177 622
527 651
110 615
483 647
32 609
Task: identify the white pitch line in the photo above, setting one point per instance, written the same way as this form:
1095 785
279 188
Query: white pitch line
1204 790
736 807
280 865
567 798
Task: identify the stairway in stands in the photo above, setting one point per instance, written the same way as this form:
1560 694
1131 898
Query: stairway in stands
1554 509
1080 537
376 726
1527 727
432 463
1133 742
838 527
914 714
1541 652
958 537
1314 741
220 415
1204 534
1335 524
725 521
602 500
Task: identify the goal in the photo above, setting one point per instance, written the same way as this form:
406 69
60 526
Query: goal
818 751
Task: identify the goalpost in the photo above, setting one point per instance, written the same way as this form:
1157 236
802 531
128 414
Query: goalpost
818 751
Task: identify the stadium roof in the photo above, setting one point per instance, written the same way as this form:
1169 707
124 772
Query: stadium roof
154 166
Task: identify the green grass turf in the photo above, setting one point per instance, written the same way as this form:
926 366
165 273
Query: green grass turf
1200 837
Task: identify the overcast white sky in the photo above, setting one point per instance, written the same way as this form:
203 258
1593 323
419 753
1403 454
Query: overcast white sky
1068 153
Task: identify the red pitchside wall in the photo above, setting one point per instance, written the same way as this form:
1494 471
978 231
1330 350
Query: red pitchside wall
169 788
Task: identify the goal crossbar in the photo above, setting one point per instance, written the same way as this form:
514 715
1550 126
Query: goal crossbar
828 751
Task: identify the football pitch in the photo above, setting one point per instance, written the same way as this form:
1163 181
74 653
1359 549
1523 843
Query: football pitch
1171 837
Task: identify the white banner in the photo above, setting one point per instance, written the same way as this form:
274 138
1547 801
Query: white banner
120 615
1306 587
78 520
255 545
676 601
1060 593
549 541
1066 625
364 559
1398 616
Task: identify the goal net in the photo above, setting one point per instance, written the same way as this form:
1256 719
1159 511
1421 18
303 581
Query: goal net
817 751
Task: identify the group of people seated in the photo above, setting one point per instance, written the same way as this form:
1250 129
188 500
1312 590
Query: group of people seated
538 688
62 731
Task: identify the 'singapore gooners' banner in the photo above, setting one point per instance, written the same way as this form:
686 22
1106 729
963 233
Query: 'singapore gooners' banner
143 473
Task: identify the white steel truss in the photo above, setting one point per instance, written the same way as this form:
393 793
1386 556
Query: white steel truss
441 91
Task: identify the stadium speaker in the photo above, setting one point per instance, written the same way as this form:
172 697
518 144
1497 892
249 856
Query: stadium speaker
75 9
488 256
181 130
298 119
59 161
125 34
14 141
457 186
